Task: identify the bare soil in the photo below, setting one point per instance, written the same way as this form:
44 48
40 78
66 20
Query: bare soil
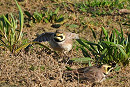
40 67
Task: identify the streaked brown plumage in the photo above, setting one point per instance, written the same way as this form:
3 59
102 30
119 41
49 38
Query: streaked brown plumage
59 40
90 74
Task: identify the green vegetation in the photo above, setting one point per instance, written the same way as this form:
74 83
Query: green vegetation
108 49
103 29
98 7
10 35
47 17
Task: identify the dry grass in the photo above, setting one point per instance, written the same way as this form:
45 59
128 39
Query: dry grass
39 67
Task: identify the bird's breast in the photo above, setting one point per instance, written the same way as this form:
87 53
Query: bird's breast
61 46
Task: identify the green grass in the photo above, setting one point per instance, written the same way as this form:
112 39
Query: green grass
48 16
97 7
11 36
108 49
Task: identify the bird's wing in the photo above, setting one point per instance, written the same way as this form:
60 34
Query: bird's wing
44 37
41 38
87 73
84 74
89 76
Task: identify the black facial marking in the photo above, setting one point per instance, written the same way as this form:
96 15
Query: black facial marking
57 40
104 73
61 37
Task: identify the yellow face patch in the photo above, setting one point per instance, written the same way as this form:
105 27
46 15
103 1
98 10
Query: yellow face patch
59 37
57 34
106 68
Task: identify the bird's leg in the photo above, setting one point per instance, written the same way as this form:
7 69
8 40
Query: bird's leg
63 57
66 58
60 56
102 79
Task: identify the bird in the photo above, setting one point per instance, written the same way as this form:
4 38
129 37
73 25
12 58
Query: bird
91 73
59 40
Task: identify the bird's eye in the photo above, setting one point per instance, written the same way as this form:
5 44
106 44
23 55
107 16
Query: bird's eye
109 69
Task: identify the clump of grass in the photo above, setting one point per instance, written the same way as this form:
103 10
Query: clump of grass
10 34
101 7
47 17
108 49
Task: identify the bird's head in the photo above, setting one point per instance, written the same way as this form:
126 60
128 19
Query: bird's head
106 68
59 36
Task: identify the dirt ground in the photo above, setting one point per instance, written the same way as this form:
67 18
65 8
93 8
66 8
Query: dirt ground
40 67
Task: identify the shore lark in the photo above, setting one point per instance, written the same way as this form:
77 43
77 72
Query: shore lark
90 74
59 40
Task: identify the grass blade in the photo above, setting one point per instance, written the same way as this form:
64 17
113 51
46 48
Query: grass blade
86 46
7 21
56 11
117 32
68 68
25 45
128 45
46 20
94 35
123 52
121 31
22 47
28 14
105 33
114 37
82 60
21 19
95 49
85 53
118 46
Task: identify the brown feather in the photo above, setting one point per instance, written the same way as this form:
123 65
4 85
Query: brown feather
62 44
91 74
